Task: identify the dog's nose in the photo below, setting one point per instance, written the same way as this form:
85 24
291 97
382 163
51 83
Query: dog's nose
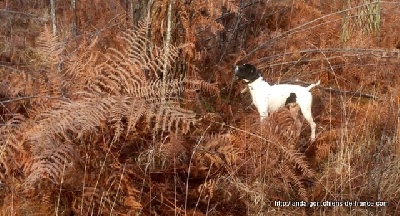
235 68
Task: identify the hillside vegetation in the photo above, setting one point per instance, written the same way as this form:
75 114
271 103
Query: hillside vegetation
130 108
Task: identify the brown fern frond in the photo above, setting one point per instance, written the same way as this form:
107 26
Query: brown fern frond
203 86
50 165
113 193
134 70
117 76
300 162
326 144
128 70
155 90
206 190
284 123
322 151
124 91
274 157
67 122
30 83
171 117
168 154
49 49
12 151
294 180
28 90
70 121
216 151
79 69
184 16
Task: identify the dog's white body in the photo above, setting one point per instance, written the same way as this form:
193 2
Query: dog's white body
268 99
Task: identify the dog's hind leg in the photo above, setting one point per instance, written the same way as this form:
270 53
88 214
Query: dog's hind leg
310 120
305 107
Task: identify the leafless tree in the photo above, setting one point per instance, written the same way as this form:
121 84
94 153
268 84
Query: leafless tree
53 16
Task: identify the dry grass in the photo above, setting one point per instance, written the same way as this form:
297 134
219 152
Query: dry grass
89 124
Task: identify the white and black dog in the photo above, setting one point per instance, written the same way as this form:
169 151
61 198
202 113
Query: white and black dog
268 99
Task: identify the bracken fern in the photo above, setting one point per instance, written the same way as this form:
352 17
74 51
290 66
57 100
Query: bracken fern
121 94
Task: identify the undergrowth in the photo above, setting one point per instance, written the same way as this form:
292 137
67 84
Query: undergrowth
113 121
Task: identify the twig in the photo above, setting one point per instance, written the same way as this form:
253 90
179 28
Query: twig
31 16
301 28
338 91
341 53
28 97
351 93
189 168
9 125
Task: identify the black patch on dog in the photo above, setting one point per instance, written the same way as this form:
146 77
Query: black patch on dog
291 99
248 72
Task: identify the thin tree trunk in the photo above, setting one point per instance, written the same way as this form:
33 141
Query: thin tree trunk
149 5
139 10
53 16
167 44
74 18
147 17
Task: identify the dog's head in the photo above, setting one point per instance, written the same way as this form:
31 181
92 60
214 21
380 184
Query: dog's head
247 72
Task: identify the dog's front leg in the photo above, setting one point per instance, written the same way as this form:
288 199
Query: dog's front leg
263 113
262 118
261 103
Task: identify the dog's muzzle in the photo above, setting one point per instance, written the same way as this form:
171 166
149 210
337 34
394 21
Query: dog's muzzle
235 69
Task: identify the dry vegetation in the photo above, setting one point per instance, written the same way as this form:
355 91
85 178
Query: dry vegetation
108 119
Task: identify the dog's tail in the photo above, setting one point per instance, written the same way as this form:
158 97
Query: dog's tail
313 85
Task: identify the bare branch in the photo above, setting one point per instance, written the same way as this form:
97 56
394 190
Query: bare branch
28 15
27 98
338 91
